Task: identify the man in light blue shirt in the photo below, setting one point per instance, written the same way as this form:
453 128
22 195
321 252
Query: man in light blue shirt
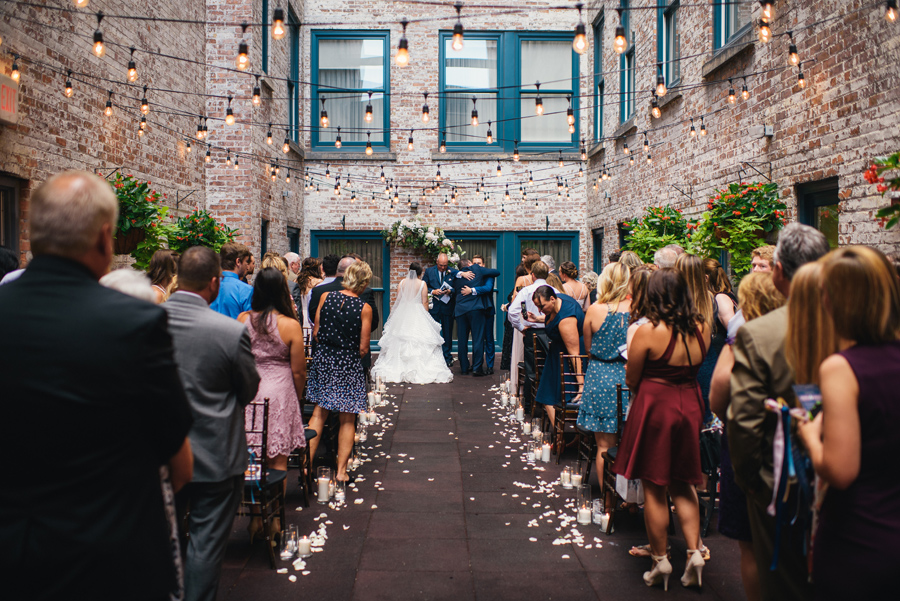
234 295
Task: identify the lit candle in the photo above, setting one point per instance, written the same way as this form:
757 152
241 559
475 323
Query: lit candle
371 418
378 399
526 428
584 515
323 490
520 413
371 396
304 546
340 493
576 480
362 418
565 478
382 388
545 452
330 488
356 438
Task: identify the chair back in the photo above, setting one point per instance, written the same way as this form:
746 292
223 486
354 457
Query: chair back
622 393
571 367
257 429
540 357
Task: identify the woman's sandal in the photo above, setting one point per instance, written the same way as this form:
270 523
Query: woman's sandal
644 551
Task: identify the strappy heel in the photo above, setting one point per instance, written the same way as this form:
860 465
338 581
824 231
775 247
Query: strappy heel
661 571
693 571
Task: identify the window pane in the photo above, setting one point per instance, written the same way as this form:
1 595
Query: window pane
827 222
738 15
352 64
552 126
473 67
672 48
371 252
546 61
458 117
486 248
347 110
560 250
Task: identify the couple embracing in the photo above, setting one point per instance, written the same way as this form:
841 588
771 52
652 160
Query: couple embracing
415 346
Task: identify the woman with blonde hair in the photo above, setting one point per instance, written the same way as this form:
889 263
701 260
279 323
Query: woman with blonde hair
276 261
810 336
568 274
630 259
853 442
691 266
605 325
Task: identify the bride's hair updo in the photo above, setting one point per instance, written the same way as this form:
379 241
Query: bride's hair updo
417 267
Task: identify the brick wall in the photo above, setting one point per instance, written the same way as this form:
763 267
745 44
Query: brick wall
846 115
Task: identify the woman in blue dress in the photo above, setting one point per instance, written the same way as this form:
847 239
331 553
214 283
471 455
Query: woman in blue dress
564 322
605 325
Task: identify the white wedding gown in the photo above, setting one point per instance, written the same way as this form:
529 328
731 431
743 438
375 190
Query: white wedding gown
411 341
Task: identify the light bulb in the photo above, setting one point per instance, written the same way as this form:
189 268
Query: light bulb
80 3
516 153
403 52
661 85
99 46
208 156
140 133
368 113
269 137
649 159
188 148
425 113
693 131
538 106
337 141
631 161
457 37
745 93
145 105
108 111
229 116
474 118
324 118
278 31
228 160
530 179
443 147
286 147
499 171
702 129
620 43
731 96
572 129
490 136
768 11
656 112
256 96
243 61
69 91
765 34
132 71
409 143
236 166
143 124
625 148
890 12
801 81
793 56
583 153
287 178
14 74
579 44
570 116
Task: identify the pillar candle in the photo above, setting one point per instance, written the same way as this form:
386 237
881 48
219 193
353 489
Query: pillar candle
371 396
378 399
362 418
503 397
304 546
545 453
584 515
520 413
565 478
323 490
382 387
526 428
576 480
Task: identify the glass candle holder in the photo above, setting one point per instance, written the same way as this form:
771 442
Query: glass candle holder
289 540
323 479
583 505
340 491
565 477
526 428
536 428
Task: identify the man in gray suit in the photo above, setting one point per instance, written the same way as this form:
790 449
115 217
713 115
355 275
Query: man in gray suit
219 375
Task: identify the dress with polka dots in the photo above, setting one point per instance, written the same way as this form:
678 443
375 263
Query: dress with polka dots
605 370
337 381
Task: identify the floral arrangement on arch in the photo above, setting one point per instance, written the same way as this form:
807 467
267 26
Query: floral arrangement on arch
658 227
427 240
887 216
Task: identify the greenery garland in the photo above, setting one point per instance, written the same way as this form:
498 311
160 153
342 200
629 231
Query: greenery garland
426 240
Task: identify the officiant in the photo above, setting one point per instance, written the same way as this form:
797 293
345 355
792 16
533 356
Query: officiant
439 279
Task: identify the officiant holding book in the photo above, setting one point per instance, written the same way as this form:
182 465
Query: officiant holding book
439 279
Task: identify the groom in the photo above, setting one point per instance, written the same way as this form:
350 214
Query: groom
439 279
470 315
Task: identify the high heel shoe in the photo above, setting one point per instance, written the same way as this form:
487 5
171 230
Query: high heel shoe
254 527
274 531
661 571
693 571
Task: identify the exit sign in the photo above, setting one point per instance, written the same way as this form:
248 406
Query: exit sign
9 100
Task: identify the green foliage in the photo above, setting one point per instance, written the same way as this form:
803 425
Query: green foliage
887 216
658 227
139 209
427 240
199 229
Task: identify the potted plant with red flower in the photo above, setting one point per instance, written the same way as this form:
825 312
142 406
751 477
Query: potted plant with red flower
658 227
887 216
139 211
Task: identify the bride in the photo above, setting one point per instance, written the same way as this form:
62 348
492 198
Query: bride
411 342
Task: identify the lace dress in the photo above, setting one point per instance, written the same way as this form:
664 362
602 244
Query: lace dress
411 345
273 362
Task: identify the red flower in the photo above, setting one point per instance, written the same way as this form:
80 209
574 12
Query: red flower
736 212
133 221
882 188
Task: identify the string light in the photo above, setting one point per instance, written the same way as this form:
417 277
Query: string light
443 146
538 102
145 105
368 109
382 173
765 33
327 171
793 56
269 135
516 151
409 143
236 166
490 136
323 116
702 127
890 12
337 140
745 93
242 62
570 115
654 107
801 81
15 75
660 81
583 151
228 159
108 110
631 160
99 46
457 43
200 129
580 171
530 179
188 148
208 157
403 46
369 149
620 43
693 132
132 67
731 96
646 143
286 147
278 31
625 148
140 132
499 171
579 44
560 158
229 113
287 180
649 158
256 93
438 174
502 208
768 11
69 91
425 112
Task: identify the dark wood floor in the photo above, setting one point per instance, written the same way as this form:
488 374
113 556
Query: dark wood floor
446 505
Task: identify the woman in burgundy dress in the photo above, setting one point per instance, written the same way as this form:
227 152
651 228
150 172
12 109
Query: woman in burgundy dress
853 442
659 442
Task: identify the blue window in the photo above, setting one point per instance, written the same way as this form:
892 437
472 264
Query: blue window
626 69
668 42
350 71
502 70
265 36
599 84
730 20
293 24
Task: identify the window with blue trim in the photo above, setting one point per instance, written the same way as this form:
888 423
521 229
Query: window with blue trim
668 41
599 83
265 36
730 20
350 70
293 24
626 68
501 71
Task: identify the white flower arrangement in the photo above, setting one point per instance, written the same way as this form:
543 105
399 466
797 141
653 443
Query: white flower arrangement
429 240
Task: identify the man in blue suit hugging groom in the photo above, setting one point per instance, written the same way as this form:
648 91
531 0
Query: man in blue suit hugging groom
471 315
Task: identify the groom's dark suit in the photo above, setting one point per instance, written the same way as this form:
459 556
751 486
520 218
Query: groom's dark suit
442 312
470 317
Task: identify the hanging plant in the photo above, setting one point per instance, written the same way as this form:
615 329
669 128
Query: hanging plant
739 219
426 240
658 227
141 228
199 229
890 215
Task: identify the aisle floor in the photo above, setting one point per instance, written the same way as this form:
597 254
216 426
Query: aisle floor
446 505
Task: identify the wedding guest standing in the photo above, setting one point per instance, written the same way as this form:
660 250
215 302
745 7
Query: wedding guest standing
439 279
234 295
82 516
659 442
568 274
523 304
508 336
337 382
162 272
853 442
309 277
605 325
207 347
691 267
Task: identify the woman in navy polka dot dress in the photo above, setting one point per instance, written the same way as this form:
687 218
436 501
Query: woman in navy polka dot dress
337 381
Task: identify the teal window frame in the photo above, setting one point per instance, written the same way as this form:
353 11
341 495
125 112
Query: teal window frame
265 36
722 34
627 69
599 81
293 25
350 34
509 92
667 26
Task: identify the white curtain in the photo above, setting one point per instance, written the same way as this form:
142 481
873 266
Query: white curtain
474 67
351 65
546 62
552 126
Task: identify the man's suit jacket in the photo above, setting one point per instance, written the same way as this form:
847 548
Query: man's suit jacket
434 279
472 302
219 374
93 406
760 372
368 297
